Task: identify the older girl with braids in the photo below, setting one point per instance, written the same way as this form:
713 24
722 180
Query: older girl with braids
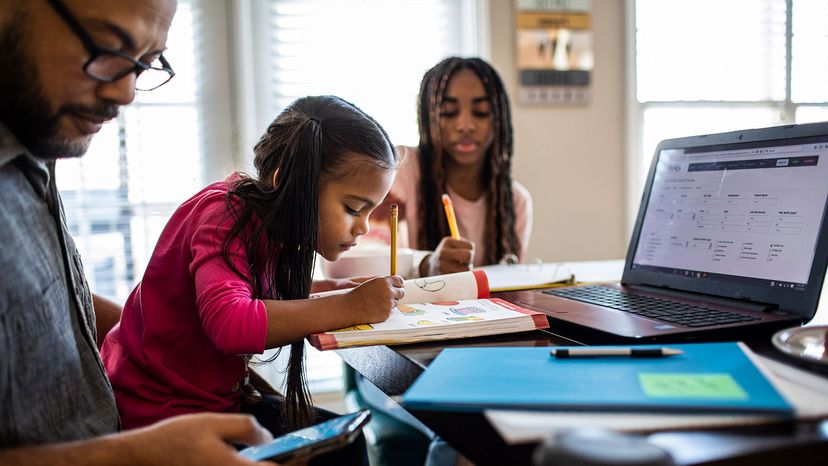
465 150
232 270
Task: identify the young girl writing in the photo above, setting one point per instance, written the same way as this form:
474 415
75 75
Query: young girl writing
232 270
465 150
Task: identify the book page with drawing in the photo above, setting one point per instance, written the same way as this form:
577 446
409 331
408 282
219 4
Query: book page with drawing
437 308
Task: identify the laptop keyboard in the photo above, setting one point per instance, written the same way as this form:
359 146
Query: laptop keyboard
665 310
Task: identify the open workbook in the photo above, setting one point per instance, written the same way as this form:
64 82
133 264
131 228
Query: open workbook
437 308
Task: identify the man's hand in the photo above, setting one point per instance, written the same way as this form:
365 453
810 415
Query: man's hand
195 439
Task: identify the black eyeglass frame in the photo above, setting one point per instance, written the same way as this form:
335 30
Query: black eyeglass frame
96 51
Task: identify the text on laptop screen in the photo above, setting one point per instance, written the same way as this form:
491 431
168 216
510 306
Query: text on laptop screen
747 212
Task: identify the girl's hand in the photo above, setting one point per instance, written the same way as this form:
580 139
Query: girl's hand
318 286
373 300
451 255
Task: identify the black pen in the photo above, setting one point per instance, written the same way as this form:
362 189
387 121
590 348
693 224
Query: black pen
561 353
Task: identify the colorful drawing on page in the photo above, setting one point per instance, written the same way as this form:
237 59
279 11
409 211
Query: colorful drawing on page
430 285
409 311
464 311
445 303
425 323
355 328
464 319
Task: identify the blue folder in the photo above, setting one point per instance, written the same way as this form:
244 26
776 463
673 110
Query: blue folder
708 377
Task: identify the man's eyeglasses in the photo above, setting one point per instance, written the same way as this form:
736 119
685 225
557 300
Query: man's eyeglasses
109 65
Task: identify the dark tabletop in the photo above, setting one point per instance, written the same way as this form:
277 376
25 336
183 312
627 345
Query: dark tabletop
393 370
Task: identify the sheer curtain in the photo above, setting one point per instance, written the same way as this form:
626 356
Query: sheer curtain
372 54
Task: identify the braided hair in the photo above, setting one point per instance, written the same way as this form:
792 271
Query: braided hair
496 176
304 146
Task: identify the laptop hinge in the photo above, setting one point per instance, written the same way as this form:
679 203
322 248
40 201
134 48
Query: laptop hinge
737 303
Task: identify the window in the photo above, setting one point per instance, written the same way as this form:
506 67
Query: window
705 66
372 54
139 168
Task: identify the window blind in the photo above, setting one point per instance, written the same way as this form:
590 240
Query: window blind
810 52
710 50
705 66
371 53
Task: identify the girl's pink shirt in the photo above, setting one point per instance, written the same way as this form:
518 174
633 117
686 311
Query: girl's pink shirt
471 214
184 330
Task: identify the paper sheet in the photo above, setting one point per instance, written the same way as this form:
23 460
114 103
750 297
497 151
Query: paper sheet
504 277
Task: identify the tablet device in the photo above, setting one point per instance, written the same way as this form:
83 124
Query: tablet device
311 441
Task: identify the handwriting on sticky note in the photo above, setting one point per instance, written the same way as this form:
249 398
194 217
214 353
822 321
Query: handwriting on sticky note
684 385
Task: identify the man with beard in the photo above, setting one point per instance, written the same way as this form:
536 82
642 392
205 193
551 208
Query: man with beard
66 66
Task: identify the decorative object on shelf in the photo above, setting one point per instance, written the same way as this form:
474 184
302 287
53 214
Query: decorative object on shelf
554 51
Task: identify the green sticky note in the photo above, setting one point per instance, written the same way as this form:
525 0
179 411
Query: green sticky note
720 386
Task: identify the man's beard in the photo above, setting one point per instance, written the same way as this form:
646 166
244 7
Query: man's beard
24 109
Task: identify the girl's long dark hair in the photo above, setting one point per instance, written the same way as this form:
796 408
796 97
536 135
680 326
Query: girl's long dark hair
496 176
276 215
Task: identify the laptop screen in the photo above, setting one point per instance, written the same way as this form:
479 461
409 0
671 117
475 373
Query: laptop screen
746 213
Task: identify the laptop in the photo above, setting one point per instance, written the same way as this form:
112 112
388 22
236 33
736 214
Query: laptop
731 238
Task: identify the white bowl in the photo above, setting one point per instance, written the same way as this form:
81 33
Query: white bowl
368 262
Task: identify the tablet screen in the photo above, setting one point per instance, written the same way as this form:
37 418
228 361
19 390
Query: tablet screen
302 438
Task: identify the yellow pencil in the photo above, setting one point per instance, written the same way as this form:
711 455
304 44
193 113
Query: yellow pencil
452 220
393 219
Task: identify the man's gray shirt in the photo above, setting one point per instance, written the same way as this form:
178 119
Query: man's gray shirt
53 386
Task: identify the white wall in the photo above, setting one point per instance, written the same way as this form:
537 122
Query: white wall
572 159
